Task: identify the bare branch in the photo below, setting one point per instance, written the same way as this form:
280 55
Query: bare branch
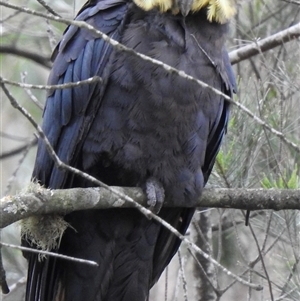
87 81
266 126
183 276
30 94
90 262
121 196
262 260
18 150
37 58
17 285
282 131
13 137
3 283
297 2
49 9
120 47
14 174
36 200
266 44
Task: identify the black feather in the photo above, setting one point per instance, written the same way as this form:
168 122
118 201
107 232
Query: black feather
139 122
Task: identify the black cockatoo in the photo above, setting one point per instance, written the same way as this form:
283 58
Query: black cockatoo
141 126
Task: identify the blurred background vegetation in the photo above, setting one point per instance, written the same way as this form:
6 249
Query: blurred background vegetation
268 253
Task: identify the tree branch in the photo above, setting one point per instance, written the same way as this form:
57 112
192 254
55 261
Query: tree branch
37 58
252 198
120 47
19 149
49 9
51 88
48 253
266 44
37 200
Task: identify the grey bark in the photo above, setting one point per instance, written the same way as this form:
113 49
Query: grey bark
37 200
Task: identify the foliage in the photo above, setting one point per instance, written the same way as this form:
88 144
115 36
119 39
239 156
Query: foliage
284 181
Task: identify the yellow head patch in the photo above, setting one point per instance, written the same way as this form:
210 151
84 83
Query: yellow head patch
162 5
220 11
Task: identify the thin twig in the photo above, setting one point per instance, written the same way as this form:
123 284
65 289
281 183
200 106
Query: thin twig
37 58
10 16
120 47
89 262
215 289
148 213
166 282
87 81
183 277
297 2
49 9
262 262
3 283
14 174
29 93
13 137
18 150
